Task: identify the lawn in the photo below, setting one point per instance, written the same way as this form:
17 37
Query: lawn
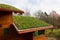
55 32
26 22
53 35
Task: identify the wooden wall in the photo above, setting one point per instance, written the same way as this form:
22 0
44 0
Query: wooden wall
13 35
27 36
5 21
42 37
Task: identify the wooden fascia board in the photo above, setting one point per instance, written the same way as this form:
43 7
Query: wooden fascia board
32 29
16 11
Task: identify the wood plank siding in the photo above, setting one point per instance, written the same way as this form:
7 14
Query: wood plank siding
5 21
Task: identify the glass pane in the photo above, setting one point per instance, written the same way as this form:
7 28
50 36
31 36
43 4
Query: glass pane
6 31
41 32
38 33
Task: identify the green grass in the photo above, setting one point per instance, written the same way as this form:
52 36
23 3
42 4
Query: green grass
26 22
55 33
8 7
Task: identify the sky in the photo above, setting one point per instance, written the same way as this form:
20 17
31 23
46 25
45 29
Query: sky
35 5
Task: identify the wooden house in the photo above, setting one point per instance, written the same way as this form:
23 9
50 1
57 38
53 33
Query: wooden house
6 18
9 31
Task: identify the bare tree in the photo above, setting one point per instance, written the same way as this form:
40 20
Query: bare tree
38 14
27 13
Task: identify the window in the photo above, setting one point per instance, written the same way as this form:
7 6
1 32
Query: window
6 31
39 32
36 33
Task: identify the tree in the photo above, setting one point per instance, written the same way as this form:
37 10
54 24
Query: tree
42 16
27 13
38 14
46 14
54 18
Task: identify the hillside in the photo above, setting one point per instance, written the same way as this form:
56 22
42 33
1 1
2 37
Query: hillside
26 22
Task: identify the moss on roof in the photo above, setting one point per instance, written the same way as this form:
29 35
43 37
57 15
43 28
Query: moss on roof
8 7
26 22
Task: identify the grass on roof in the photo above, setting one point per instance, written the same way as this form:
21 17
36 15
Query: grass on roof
26 22
8 7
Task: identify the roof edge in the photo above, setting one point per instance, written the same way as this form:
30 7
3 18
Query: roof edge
16 11
32 29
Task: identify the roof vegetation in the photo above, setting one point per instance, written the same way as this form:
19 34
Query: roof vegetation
8 7
26 22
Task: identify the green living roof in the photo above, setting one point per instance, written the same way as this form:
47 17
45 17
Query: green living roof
8 7
26 22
